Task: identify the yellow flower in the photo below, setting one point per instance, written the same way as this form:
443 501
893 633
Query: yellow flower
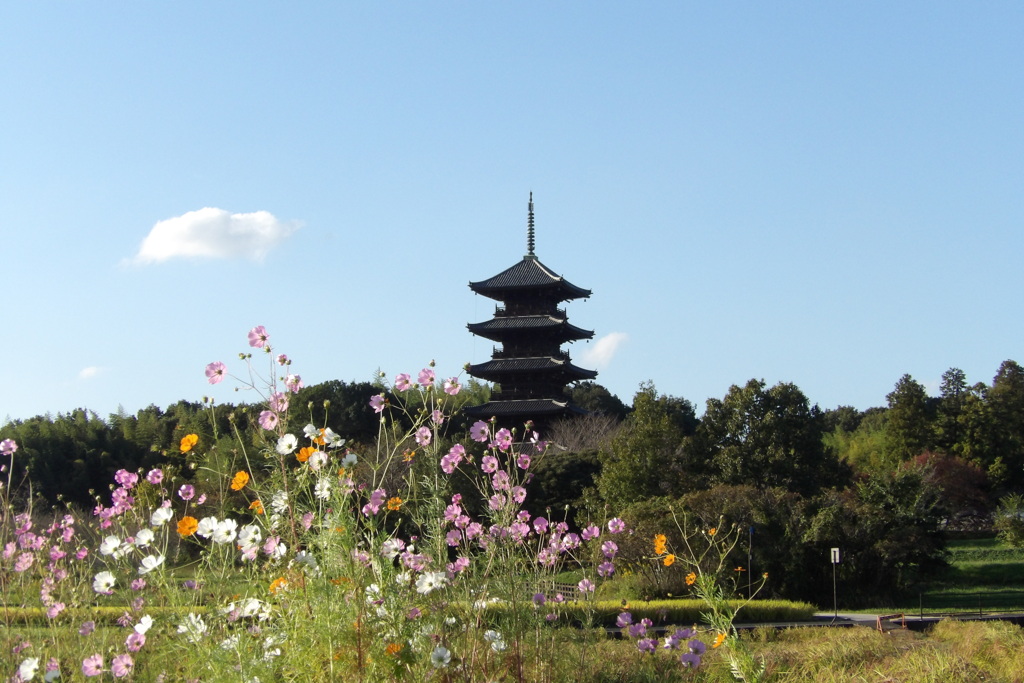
277 585
408 456
304 453
188 441
257 505
659 544
669 560
691 578
393 649
712 531
188 526
239 481
394 504
719 639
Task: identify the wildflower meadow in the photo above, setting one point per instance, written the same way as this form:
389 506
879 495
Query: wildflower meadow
298 557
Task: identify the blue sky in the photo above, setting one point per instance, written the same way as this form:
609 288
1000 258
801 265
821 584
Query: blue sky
822 193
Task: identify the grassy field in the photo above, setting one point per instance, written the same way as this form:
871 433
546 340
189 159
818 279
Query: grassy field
984 577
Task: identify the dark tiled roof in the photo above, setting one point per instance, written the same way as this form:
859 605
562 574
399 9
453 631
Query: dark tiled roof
501 366
529 273
526 407
496 327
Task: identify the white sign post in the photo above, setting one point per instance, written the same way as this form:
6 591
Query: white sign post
835 602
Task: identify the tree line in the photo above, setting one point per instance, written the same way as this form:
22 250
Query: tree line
885 484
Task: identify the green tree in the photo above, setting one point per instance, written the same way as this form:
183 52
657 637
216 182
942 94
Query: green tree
908 428
597 399
1006 412
642 459
764 438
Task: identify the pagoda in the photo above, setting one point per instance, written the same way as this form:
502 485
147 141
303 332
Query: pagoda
530 369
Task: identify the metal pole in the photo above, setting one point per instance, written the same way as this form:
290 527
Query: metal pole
835 601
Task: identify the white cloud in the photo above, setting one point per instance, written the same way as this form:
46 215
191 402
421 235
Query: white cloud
600 354
89 372
214 233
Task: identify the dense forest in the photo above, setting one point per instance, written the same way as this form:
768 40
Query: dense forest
888 485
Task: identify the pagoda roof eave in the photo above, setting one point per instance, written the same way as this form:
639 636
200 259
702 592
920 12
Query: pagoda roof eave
497 328
498 367
526 407
528 274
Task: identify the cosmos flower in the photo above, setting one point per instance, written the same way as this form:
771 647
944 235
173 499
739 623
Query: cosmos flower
215 372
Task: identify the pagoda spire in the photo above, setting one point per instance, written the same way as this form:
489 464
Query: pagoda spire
529 229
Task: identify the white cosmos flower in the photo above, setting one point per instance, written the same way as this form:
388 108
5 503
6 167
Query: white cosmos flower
193 627
145 623
349 461
310 432
109 545
207 525
226 531
144 537
279 502
28 669
428 581
333 440
161 516
440 657
249 535
322 490
150 562
286 444
317 460
103 582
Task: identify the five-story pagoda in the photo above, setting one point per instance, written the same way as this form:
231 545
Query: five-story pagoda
530 368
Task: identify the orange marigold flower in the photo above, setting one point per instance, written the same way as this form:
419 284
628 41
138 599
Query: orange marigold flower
691 578
188 526
393 649
188 441
304 453
659 544
395 503
669 560
257 505
239 481
277 585
712 531
719 639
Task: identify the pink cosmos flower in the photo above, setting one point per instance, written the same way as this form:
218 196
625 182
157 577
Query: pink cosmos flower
523 462
616 526
503 439
609 549
606 569
452 386
425 378
590 533
377 403
155 476
122 666
268 419
489 464
8 446
480 431
437 417
186 492
282 359
540 525
403 382
258 337
423 436
215 372
294 383
93 665
586 586
135 641
518 494
278 402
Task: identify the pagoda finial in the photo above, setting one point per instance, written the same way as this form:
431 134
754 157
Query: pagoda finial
529 228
